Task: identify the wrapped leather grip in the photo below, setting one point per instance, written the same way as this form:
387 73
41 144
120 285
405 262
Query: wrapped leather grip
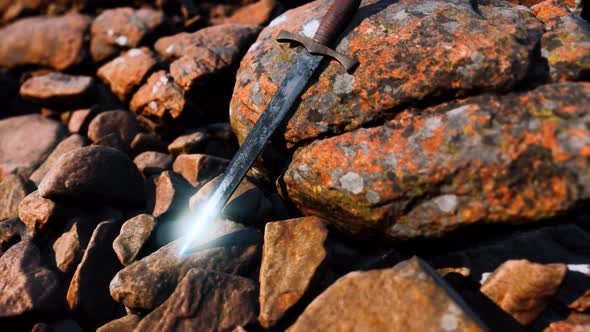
335 20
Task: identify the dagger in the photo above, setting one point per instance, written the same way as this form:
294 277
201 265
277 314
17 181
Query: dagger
314 51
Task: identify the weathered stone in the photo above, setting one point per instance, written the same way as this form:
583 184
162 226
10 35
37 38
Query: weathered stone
95 172
25 284
69 144
134 234
248 204
59 90
12 231
153 163
364 301
574 323
291 257
57 42
118 122
201 55
13 189
143 142
113 140
566 44
189 143
25 142
70 246
124 324
409 51
502 159
146 283
172 194
211 300
122 28
41 214
198 169
257 13
79 121
159 98
88 294
216 139
522 288
125 73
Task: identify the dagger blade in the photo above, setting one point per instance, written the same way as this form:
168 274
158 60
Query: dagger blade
290 89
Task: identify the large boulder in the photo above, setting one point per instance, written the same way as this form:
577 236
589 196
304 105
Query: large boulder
510 159
409 51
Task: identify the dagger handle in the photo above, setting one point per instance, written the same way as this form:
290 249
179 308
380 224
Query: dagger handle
335 20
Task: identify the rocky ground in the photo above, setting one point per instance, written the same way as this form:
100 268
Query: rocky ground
442 186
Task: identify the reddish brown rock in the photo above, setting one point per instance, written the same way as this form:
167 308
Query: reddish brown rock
208 52
574 323
79 121
95 173
26 141
291 257
198 169
13 189
146 283
59 90
172 194
57 42
153 163
134 234
122 28
189 143
409 51
11 9
248 204
123 324
143 142
522 288
88 294
159 98
69 144
566 44
25 283
70 246
216 139
519 157
364 300
40 214
120 123
211 300
12 231
257 13
125 73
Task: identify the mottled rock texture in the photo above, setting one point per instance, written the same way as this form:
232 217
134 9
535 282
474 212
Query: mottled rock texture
517 158
59 90
409 51
71 143
56 42
134 235
566 44
122 28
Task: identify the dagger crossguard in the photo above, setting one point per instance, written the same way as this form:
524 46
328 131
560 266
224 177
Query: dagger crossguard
314 47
